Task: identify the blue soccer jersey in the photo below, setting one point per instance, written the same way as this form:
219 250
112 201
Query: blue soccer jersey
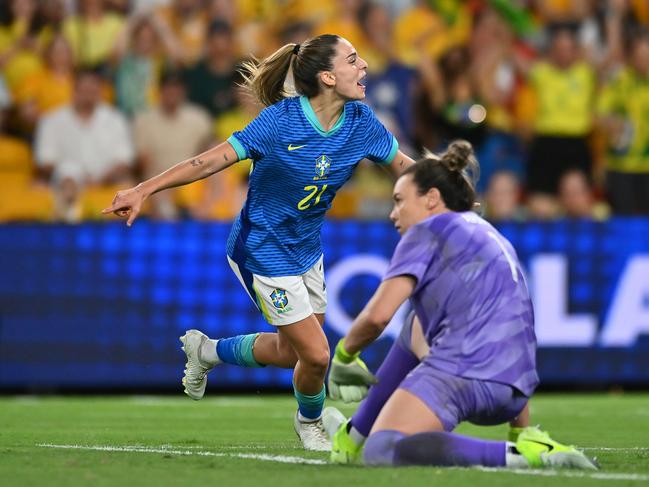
297 169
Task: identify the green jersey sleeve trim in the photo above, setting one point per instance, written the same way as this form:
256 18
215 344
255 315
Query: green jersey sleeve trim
393 152
238 148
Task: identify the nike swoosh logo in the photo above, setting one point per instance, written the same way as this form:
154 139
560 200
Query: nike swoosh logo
550 447
295 147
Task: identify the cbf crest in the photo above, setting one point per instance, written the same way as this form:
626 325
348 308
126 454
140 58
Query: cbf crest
322 166
279 298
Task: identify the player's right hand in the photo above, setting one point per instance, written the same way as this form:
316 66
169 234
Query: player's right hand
349 377
127 203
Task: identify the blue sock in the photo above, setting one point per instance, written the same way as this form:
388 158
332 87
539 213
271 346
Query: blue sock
238 350
310 406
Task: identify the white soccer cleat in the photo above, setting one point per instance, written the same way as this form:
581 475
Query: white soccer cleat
332 418
312 435
195 378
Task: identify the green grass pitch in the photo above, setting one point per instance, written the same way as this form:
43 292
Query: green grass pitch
249 441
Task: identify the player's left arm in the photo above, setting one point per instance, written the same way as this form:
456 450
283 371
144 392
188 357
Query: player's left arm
378 312
400 163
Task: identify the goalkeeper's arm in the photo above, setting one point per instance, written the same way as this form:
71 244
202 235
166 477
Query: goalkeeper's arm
349 377
378 312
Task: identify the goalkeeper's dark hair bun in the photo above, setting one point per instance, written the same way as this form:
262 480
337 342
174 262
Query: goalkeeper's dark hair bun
454 173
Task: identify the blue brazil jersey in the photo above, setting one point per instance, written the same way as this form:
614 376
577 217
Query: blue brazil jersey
297 169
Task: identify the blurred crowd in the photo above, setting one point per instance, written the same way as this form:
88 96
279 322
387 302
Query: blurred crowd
96 95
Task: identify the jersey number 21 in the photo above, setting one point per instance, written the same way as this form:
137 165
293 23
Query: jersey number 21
305 203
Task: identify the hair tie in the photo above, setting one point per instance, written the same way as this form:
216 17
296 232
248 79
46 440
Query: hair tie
296 49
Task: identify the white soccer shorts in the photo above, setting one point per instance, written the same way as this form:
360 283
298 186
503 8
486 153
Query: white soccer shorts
287 299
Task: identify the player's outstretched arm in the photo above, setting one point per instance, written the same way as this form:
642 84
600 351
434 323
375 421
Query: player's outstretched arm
128 203
400 163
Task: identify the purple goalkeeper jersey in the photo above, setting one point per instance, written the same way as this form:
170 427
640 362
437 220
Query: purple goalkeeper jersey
471 298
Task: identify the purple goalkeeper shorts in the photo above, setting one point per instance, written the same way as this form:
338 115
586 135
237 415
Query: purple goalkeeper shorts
455 399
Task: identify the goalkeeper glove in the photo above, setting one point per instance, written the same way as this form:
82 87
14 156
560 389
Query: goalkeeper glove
349 377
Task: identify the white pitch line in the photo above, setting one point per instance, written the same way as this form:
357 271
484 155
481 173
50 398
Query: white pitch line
167 451
604 448
569 473
313 461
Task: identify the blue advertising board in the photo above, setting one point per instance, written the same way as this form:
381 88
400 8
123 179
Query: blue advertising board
101 306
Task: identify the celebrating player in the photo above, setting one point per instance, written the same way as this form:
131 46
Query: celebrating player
303 149
469 355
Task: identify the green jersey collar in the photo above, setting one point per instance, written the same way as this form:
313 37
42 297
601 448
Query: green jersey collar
313 119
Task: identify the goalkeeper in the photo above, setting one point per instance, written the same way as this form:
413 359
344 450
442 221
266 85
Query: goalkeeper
470 353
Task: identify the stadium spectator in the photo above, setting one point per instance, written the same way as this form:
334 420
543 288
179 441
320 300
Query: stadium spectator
343 21
50 17
187 20
142 51
92 32
389 90
390 86
449 106
169 132
19 29
81 144
564 89
210 84
622 107
493 50
48 88
429 28
503 198
576 197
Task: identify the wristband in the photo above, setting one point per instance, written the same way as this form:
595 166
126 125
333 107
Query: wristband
342 355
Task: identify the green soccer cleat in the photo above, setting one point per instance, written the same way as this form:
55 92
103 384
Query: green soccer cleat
541 451
343 449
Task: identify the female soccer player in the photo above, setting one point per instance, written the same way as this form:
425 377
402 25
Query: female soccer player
303 149
470 354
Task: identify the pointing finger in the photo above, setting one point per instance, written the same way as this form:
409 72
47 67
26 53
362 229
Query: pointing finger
132 218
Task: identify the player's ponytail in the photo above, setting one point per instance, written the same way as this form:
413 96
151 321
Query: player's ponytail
266 78
454 173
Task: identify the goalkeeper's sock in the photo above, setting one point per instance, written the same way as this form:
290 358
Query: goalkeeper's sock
237 350
432 448
355 435
395 367
309 406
